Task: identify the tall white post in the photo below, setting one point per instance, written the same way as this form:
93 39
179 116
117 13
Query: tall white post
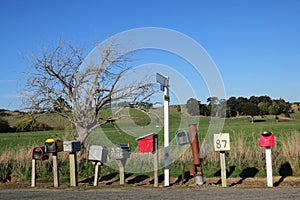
269 167
166 133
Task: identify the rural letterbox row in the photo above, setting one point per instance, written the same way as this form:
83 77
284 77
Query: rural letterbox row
266 139
120 151
72 146
38 153
182 137
53 145
98 153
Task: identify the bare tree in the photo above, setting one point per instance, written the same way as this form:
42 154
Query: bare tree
79 88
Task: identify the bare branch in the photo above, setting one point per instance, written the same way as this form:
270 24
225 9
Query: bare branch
63 81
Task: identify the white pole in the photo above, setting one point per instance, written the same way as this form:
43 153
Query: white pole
166 134
269 167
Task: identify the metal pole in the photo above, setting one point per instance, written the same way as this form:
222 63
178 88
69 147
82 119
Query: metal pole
166 134
155 162
196 154
269 167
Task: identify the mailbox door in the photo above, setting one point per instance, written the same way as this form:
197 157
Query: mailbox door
182 137
38 153
98 153
146 144
51 147
267 141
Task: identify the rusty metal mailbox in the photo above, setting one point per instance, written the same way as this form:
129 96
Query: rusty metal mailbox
38 153
98 153
72 146
182 137
120 151
146 143
266 139
53 145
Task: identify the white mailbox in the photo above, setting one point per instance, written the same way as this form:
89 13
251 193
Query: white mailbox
98 153
72 146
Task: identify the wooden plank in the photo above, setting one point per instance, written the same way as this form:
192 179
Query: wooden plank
223 168
33 173
73 169
96 176
55 170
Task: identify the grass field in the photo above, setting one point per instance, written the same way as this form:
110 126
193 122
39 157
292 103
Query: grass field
245 152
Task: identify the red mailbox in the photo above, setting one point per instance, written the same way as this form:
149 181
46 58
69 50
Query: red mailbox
266 139
38 153
146 143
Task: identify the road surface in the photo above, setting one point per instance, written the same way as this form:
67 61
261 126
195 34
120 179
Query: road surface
137 193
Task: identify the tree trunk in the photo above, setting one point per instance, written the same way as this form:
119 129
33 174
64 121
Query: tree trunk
82 134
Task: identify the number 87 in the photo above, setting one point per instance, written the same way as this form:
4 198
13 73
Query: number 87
218 143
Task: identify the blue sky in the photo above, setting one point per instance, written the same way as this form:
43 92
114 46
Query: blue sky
255 44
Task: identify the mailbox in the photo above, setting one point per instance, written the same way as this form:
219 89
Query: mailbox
182 137
98 153
38 153
53 145
72 146
146 143
266 139
120 151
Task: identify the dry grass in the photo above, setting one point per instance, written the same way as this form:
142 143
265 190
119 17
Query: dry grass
16 164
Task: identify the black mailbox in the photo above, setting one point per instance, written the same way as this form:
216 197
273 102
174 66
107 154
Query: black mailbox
120 151
38 153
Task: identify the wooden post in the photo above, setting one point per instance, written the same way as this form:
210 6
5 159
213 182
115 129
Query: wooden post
182 172
73 169
155 162
223 168
96 176
122 171
55 169
33 173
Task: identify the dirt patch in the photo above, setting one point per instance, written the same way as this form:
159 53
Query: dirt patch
146 181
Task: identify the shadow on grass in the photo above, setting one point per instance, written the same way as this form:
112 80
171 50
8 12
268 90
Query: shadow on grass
103 178
108 176
116 180
161 178
228 173
249 172
284 171
138 179
185 179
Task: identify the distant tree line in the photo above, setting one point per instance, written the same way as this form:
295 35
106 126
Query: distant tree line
239 106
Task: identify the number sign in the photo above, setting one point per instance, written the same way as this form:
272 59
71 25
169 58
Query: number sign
222 142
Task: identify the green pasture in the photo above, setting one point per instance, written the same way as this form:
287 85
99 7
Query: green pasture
237 127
